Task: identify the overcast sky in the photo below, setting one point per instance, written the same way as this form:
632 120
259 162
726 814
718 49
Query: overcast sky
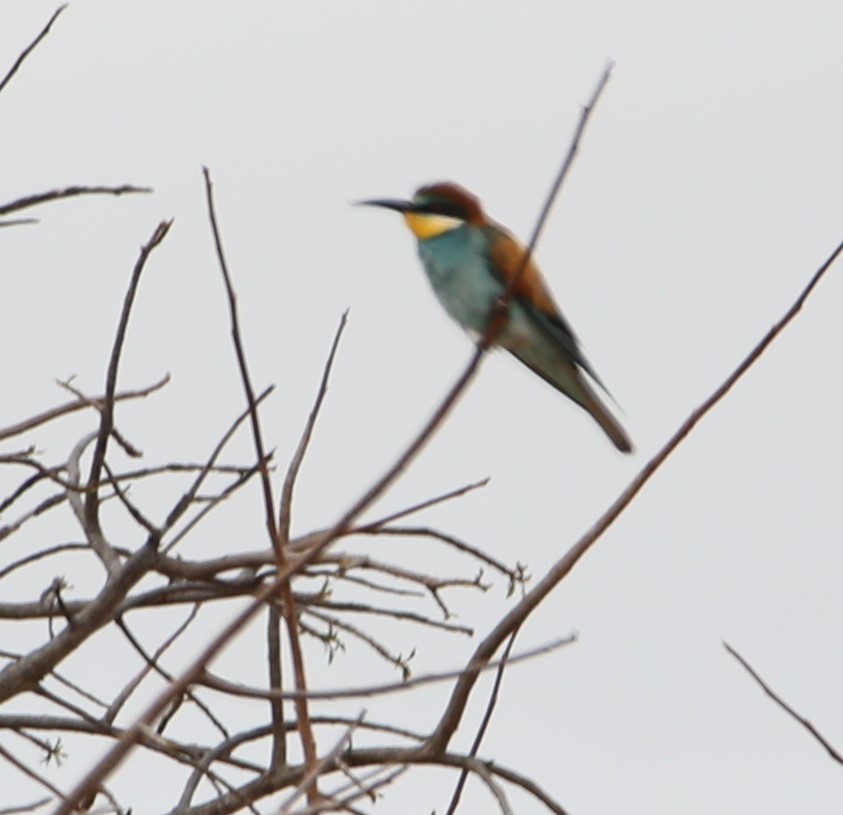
706 193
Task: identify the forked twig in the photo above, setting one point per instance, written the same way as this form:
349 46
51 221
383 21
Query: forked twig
92 500
484 724
77 404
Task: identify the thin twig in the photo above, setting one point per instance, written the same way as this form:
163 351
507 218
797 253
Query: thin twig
21 808
18 222
68 192
31 47
235 689
92 500
97 541
323 763
372 526
286 504
187 499
786 707
77 404
484 724
27 771
285 589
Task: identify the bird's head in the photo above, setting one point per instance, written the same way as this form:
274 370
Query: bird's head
435 209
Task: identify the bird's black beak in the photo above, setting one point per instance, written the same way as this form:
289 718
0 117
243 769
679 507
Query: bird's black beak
387 203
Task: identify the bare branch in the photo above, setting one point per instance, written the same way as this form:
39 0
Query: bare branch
18 810
374 526
31 47
326 761
284 588
29 772
186 500
484 725
516 616
68 192
285 510
786 707
276 707
107 416
236 689
77 404
93 533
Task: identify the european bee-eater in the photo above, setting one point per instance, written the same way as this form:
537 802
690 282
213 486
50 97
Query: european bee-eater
469 260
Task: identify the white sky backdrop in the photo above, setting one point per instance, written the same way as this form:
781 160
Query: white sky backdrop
707 192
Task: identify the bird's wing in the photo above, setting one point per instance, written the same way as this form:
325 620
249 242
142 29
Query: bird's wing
506 255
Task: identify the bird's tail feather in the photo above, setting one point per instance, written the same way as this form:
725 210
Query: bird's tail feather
568 380
610 425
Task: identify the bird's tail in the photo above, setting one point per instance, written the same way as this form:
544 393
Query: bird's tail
610 425
565 377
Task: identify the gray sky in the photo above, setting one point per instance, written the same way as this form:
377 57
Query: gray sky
706 194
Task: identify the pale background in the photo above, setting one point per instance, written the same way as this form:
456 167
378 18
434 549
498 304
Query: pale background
706 194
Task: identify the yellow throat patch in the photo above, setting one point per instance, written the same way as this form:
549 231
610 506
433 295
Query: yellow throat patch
426 225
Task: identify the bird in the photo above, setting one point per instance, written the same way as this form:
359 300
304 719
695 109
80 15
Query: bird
469 260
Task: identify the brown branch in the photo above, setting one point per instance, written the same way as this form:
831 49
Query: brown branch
22 808
152 664
77 404
321 765
516 616
517 576
368 756
25 673
396 660
93 532
128 448
92 500
31 47
498 317
284 589
21 767
278 756
786 707
190 494
373 526
484 724
68 192
43 506
286 505
368 691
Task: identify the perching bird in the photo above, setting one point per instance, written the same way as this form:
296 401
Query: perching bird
469 260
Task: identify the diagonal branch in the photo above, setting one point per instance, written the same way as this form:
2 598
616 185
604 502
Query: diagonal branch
285 510
484 724
31 47
516 616
786 707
